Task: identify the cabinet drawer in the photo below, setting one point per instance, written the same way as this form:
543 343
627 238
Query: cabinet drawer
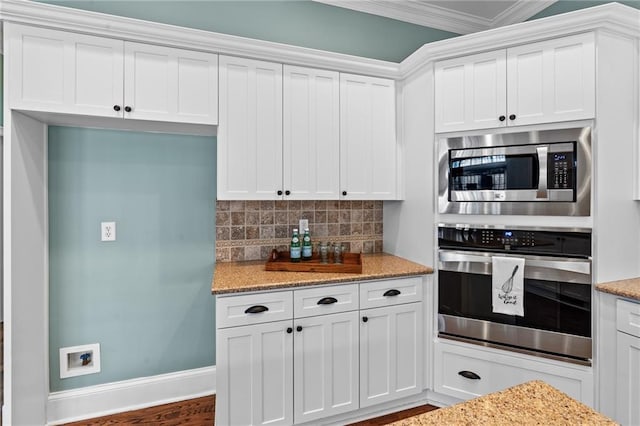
232 311
325 300
390 292
628 317
465 372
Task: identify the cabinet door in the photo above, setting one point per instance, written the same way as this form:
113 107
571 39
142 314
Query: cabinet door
390 353
325 365
166 84
311 134
367 138
62 72
250 130
470 92
254 366
551 81
628 373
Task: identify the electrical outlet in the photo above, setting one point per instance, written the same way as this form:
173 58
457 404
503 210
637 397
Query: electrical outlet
108 231
304 224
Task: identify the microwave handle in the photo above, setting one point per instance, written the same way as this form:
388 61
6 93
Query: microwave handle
543 156
577 266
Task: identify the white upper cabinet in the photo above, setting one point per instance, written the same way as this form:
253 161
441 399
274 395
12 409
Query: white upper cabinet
250 130
70 73
176 85
552 80
60 72
543 82
471 92
368 150
311 134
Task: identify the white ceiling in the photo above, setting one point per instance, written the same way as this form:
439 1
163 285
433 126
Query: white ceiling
457 16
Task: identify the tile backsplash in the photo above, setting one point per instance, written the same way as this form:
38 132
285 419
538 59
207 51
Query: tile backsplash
249 230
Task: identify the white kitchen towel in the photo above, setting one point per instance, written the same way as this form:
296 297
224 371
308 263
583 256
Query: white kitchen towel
508 285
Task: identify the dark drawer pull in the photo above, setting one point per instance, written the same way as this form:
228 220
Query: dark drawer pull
256 309
392 292
469 375
327 301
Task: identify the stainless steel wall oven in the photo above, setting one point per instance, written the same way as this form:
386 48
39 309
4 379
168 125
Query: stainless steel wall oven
538 172
556 293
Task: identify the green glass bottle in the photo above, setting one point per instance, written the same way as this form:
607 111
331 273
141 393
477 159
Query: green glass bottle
295 250
306 245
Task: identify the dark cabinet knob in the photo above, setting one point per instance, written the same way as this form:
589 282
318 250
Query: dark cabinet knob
116 107
299 328
289 330
502 118
344 192
279 192
327 301
392 292
365 319
512 117
469 375
287 192
127 108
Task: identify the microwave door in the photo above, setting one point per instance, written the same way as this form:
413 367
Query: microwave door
498 174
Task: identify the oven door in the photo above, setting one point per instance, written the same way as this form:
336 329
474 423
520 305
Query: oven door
557 304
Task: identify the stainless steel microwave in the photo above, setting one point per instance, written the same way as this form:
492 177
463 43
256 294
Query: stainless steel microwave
530 173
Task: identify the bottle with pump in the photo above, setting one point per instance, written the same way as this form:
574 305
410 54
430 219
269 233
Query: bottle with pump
295 250
306 245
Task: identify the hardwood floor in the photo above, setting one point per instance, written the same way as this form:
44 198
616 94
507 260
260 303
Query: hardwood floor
201 411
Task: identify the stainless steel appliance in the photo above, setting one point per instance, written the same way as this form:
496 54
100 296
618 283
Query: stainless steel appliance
538 172
556 295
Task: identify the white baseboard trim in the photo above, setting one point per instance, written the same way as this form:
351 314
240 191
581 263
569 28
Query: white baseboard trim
100 400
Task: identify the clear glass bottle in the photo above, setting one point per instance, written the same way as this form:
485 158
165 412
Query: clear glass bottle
307 252
295 251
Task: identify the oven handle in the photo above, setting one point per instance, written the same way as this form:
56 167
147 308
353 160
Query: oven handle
579 266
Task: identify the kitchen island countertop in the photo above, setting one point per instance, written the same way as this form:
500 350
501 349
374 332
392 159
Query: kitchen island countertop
626 288
235 277
529 403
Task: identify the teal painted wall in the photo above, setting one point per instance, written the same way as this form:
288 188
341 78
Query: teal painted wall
297 22
146 298
563 6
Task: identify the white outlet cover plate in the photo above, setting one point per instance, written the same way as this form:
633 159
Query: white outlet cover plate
304 224
107 231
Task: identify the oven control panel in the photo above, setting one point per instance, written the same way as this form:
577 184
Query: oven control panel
533 241
492 237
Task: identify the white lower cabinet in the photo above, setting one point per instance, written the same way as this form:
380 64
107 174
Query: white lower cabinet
325 366
628 363
254 368
464 371
390 353
291 357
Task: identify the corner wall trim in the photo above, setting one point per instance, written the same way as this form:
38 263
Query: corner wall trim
100 400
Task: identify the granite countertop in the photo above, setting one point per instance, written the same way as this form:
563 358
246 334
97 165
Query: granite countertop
627 288
235 277
529 403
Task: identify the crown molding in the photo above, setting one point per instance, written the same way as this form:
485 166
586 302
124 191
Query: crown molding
414 12
520 12
442 18
129 29
614 17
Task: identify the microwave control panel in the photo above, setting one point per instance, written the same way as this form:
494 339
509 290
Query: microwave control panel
561 170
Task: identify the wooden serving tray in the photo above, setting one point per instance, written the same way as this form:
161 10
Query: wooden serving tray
352 263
